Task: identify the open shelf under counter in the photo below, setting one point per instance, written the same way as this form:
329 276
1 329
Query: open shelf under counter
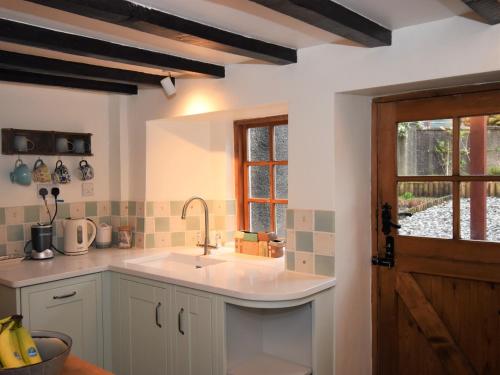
269 340
265 364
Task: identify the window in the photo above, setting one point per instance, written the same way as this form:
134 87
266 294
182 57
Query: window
261 154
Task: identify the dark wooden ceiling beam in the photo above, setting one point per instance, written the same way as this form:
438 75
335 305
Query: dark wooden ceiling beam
152 21
334 18
21 61
12 75
489 10
21 33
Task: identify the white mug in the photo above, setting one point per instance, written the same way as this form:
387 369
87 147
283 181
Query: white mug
23 144
79 146
63 145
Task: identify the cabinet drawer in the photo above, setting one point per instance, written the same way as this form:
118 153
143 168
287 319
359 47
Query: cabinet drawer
71 306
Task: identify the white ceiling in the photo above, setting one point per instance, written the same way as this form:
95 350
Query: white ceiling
240 16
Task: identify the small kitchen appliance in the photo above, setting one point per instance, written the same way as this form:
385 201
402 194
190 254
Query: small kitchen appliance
41 241
76 236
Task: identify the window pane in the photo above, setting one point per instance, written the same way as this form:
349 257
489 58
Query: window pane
259 184
258 144
480 145
430 204
480 211
260 217
425 148
281 181
281 142
281 220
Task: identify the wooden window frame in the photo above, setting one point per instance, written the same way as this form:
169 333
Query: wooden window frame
242 166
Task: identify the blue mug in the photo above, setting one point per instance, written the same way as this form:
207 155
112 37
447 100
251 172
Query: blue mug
21 174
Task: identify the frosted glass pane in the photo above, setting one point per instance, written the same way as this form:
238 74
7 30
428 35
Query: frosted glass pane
425 148
260 217
281 220
281 142
281 181
259 182
480 145
258 144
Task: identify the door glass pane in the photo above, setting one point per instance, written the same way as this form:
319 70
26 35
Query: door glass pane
480 145
480 211
258 144
281 220
425 148
430 206
281 181
259 182
281 142
260 217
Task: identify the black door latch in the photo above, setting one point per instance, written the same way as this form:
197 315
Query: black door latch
387 225
388 259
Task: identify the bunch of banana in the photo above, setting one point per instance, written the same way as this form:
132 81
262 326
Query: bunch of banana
17 347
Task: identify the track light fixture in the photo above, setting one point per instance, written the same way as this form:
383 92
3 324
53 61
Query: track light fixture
168 85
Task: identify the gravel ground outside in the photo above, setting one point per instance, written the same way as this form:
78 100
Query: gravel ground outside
437 221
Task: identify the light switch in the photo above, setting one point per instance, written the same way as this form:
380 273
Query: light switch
87 189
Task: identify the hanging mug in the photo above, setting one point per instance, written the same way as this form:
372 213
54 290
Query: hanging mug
21 174
61 173
86 171
41 172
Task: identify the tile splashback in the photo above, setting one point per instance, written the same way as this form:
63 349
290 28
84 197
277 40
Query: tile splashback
159 224
311 241
154 224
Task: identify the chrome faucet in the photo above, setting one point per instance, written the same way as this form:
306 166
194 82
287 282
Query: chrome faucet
206 245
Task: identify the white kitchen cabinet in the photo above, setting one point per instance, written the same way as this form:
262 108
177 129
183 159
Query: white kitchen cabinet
143 337
71 306
194 341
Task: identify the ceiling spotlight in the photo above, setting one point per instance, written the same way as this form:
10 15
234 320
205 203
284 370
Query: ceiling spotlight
168 85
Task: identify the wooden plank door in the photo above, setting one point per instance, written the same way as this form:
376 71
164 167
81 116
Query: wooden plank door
436 166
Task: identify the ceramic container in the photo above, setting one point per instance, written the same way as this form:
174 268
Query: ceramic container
104 236
41 172
21 174
23 144
63 145
61 173
86 171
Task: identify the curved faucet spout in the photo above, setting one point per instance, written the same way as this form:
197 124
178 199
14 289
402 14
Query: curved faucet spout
205 244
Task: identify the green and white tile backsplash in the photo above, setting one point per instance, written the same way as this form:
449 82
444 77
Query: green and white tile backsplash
154 224
311 241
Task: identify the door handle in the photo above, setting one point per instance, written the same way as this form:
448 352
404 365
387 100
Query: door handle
179 321
157 314
65 295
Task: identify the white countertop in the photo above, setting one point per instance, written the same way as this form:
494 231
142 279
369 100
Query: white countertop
240 276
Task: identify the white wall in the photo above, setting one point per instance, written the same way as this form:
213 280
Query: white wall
193 155
329 135
352 240
37 107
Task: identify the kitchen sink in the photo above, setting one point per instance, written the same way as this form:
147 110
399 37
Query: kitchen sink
175 261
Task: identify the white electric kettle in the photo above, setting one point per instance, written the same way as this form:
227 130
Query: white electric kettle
76 236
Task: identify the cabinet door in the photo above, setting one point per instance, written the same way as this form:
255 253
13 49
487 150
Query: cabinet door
71 306
194 344
143 329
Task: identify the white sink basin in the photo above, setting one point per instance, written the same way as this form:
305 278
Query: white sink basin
175 261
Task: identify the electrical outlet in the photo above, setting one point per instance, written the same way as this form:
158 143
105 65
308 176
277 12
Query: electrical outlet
87 189
46 186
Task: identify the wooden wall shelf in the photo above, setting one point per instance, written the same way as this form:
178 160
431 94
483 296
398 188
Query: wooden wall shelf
44 142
